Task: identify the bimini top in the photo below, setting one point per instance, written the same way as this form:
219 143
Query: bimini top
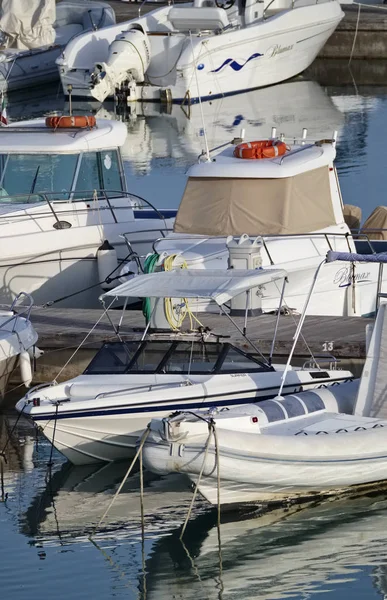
33 136
219 285
297 159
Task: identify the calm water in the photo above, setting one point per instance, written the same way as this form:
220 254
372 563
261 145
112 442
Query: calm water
332 550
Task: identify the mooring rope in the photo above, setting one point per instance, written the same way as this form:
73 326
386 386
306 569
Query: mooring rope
212 431
139 451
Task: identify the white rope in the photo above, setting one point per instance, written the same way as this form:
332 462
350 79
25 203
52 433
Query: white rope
197 485
200 98
355 36
142 442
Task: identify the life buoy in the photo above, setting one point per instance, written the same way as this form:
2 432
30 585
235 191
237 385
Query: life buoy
69 122
260 149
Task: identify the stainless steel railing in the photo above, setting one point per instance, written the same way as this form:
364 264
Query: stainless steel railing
52 201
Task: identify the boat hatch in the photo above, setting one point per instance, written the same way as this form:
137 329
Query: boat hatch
172 357
64 176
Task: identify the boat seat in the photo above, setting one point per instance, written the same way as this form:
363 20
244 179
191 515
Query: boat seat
198 19
64 33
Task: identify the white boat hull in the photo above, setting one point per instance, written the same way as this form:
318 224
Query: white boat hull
270 467
50 263
94 430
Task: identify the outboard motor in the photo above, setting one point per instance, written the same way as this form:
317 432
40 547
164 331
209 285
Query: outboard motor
128 60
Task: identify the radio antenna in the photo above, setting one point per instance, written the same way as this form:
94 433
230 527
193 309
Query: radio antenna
207 150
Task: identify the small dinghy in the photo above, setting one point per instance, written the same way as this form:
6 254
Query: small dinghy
287 448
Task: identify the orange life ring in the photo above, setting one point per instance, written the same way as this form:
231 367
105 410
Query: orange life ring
69 122
260 149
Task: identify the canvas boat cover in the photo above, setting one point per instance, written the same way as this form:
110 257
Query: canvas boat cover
375 226
217 285
352 216
234 206
27 24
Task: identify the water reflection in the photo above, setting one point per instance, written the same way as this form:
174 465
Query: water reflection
283 554
74 499
293 552
161 145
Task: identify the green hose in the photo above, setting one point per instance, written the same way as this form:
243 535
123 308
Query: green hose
149 267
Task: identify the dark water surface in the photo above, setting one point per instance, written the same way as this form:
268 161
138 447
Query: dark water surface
332 550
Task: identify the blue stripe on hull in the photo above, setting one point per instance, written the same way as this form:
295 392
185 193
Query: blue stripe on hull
200 403
151 214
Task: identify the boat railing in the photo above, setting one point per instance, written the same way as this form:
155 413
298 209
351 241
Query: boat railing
26 312
329 238
315 362
53 200
293 5
144 388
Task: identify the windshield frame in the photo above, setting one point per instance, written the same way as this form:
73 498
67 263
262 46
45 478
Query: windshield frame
159 368
69 193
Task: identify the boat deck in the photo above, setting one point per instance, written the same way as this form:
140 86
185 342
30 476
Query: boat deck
62 330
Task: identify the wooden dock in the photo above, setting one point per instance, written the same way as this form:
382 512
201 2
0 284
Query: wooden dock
362 33
61 331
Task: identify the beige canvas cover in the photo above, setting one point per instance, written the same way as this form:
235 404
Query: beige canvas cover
233 206
376 221
352 216
27 24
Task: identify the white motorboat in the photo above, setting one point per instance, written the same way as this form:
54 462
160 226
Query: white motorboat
17 342
283 449
203 48
99 415
34 33
293 204
63 193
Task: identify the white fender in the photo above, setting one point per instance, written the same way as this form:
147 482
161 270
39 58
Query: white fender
107 262
25 368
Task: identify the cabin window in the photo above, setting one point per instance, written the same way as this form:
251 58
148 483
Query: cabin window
24 176
99 171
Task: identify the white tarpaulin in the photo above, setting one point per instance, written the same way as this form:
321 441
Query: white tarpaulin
218 285
27 24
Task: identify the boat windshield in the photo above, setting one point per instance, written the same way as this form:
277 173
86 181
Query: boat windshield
62 176
172 357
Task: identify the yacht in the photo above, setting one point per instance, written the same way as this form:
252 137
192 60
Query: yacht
62 195
288 211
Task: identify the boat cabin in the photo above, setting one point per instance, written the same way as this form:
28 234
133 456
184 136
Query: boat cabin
173 357
62 163
291 194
